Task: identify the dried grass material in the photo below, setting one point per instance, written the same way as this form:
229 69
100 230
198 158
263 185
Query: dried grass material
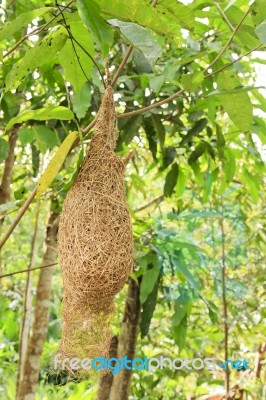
95 242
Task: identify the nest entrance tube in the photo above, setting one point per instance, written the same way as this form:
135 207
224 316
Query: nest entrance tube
95 242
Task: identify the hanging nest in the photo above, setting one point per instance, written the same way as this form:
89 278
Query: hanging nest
95 242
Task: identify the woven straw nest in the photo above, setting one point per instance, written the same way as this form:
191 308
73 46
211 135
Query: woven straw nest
95 242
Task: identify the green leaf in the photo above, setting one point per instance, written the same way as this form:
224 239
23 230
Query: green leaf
238 106
73 72
46 138
130 129
194 131
36 56
42 114
258 12
181 14
141 13
82 102
35 157
148 308
22 21
11 328
252 184
261 32
181 266
229 168
171 180
160 129
181 182
151 136
26 135
56 163
229 164
156 83
102 33
181 310
4 149
147 283
192 82
20 193
199 150
220 141
179 333
212 309
140 38
169 155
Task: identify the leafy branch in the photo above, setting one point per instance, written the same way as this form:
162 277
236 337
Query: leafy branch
36 31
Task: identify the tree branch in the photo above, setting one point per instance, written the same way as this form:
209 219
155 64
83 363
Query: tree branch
229 40
18 217
224 15
122 65
233 62
27 270
151 106
156 200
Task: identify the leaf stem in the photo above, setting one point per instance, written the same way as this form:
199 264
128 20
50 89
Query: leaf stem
229 40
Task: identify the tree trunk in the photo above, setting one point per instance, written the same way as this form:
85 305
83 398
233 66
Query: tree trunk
27 311
7 174
127 341
27 386
5 186
106 381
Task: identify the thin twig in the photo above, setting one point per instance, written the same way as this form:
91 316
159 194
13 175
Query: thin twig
121 66
34 32
151 106
229 41
233 62
27 270
156 200
224 15
18 217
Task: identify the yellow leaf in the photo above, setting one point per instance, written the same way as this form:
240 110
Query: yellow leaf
56 163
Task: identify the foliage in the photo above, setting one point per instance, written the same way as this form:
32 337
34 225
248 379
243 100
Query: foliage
199 160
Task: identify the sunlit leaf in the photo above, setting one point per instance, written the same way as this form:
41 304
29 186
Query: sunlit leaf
238 106
22 21
42 114
56 163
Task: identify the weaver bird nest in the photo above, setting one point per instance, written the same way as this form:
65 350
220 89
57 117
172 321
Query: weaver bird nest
95 242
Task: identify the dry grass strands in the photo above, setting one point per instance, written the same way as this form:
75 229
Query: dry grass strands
95 242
